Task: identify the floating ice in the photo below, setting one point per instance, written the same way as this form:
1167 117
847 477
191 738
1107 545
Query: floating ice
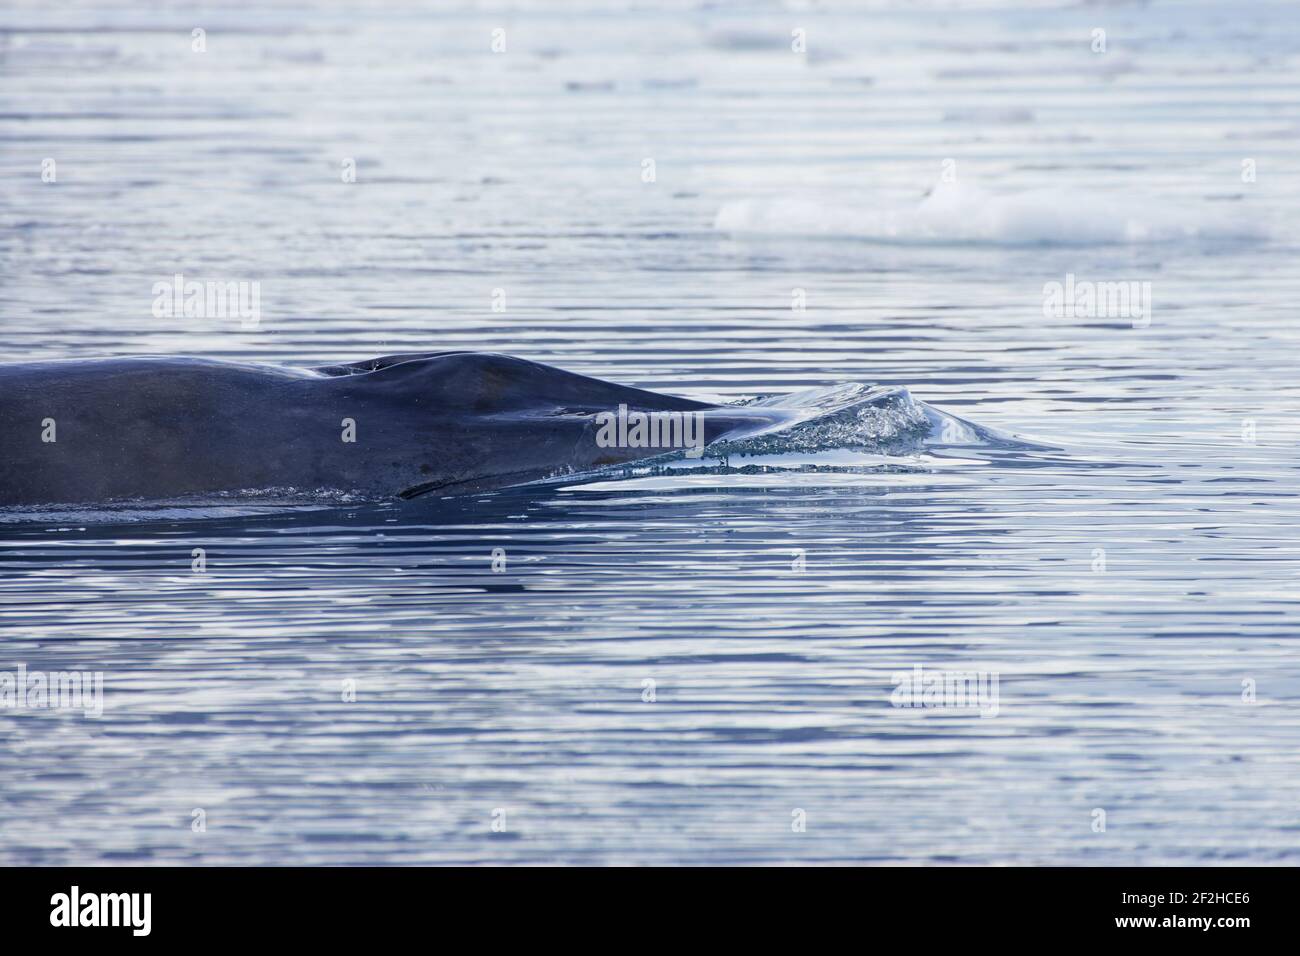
959 213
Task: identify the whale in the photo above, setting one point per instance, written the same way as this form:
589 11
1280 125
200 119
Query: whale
397 426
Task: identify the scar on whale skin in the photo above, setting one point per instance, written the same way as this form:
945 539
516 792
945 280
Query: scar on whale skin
399 426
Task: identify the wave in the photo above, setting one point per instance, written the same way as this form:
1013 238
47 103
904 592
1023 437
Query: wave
881 426
959 213
873 418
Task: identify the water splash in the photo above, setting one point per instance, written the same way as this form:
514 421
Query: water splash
849 415
848 428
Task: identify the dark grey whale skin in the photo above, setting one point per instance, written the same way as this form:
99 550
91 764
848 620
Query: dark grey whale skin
432 423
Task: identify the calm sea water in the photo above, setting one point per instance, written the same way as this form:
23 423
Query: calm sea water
1133 583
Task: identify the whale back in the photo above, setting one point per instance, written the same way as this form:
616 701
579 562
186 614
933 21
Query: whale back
399 425
493 383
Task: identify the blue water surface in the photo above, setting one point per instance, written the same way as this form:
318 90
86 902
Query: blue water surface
681 665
